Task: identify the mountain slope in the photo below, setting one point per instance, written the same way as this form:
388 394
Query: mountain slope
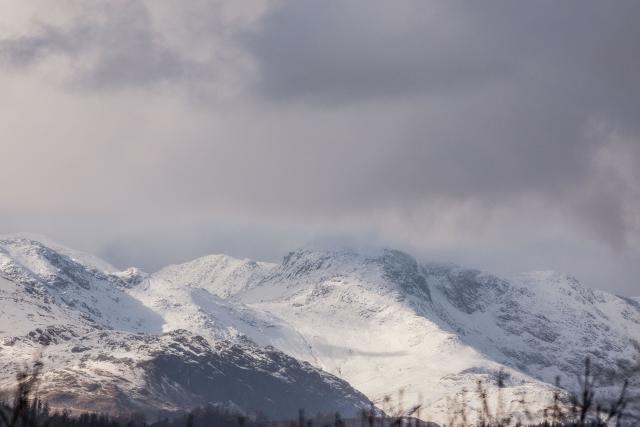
104 350
85 294
189 296
386 322
120 372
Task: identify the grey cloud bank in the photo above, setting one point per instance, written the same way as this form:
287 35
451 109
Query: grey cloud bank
502 135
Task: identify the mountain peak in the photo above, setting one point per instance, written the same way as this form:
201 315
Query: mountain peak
403 270
304 261
27 259
318 259
37 242
221 275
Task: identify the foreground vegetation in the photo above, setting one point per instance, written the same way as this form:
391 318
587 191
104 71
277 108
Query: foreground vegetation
583 409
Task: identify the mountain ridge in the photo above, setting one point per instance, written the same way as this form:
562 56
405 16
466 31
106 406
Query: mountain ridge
381 321
100 343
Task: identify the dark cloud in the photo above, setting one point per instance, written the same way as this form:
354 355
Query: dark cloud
510 94
346 51
109 46
463 128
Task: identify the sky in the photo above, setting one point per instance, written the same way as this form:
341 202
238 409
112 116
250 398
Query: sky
498 135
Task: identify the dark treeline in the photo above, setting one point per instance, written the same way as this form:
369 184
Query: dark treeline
582 409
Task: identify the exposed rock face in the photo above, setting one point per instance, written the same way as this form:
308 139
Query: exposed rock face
120 372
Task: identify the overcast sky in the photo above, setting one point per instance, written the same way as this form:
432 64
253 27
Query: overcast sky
497 134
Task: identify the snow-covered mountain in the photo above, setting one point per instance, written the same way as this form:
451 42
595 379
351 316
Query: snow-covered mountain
387 322
381 322
105 350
